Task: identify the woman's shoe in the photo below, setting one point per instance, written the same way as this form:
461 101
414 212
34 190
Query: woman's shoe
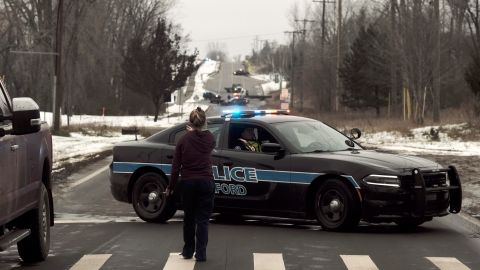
186 257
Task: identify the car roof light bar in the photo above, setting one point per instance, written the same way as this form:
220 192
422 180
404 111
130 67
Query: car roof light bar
241 113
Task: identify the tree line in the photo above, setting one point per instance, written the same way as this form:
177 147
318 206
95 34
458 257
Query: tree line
116 54
399 58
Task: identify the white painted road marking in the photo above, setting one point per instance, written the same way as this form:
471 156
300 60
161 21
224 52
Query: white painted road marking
447 263
358 262
177 262
91 262
87 178
268 261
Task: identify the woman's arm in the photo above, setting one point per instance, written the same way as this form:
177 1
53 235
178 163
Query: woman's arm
176 165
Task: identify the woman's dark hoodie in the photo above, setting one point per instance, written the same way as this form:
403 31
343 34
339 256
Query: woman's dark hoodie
193 157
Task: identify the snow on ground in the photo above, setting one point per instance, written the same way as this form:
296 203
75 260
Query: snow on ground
270 85
79 147
420 141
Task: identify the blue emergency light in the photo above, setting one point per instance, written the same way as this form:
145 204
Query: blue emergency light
246 113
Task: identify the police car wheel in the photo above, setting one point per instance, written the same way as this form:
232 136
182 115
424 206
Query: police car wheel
335 207
149 200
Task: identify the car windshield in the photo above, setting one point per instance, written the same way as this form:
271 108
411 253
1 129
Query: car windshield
313 136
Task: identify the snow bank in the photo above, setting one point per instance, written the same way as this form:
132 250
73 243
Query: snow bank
79 147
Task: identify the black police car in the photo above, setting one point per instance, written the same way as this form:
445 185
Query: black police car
305 169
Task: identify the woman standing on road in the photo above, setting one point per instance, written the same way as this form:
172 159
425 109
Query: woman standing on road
194 162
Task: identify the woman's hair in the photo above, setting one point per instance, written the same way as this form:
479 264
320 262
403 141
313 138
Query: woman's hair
198 118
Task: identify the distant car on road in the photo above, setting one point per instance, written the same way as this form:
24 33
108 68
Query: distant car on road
241 72
212 97
236 101
301 168
236 88
26 205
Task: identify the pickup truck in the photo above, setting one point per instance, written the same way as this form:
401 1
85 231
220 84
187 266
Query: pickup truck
26 205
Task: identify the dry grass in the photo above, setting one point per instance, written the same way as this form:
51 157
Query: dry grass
369 122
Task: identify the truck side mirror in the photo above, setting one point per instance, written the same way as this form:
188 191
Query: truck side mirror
26 116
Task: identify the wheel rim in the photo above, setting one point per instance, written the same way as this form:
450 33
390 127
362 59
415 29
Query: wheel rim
150 197
331 207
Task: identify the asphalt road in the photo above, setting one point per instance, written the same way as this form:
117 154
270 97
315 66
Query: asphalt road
93 231
225 78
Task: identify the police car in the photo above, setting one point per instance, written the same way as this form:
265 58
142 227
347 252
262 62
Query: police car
304 169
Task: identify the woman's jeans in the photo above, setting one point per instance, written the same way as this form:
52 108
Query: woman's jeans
198 205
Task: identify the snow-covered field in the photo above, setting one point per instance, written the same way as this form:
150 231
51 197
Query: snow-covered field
421 142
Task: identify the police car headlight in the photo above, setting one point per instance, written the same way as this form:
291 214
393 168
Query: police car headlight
382 180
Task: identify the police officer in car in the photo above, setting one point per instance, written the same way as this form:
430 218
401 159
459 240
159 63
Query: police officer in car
247 141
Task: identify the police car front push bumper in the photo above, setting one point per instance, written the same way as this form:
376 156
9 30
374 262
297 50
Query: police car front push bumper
421 191
415 197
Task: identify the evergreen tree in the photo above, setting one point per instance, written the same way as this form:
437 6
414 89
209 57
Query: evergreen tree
365 72
155 64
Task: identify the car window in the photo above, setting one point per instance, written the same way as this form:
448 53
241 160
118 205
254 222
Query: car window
238 137
313 136
215 129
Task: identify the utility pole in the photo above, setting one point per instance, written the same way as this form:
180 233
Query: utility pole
436 68
293 33
339 54
302 57
324 8
58 80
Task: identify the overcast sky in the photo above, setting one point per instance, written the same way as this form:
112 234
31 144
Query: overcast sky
232 22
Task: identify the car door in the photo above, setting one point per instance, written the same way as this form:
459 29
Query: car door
8 163
251 180
216 127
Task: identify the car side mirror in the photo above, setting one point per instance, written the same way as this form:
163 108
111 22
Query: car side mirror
272 148
26 116
355 133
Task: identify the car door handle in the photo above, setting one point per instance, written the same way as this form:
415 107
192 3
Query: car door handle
170 156
228 164
14 147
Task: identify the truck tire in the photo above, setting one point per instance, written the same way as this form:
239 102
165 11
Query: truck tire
335 207
35 247
149 201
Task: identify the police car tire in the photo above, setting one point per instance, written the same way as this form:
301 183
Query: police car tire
35 247
167 209
351 214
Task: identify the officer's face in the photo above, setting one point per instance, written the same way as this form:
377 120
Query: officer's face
248 134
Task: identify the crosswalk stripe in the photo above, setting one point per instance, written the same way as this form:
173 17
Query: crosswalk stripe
447 263
268 261
177 262
358 262
91 262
